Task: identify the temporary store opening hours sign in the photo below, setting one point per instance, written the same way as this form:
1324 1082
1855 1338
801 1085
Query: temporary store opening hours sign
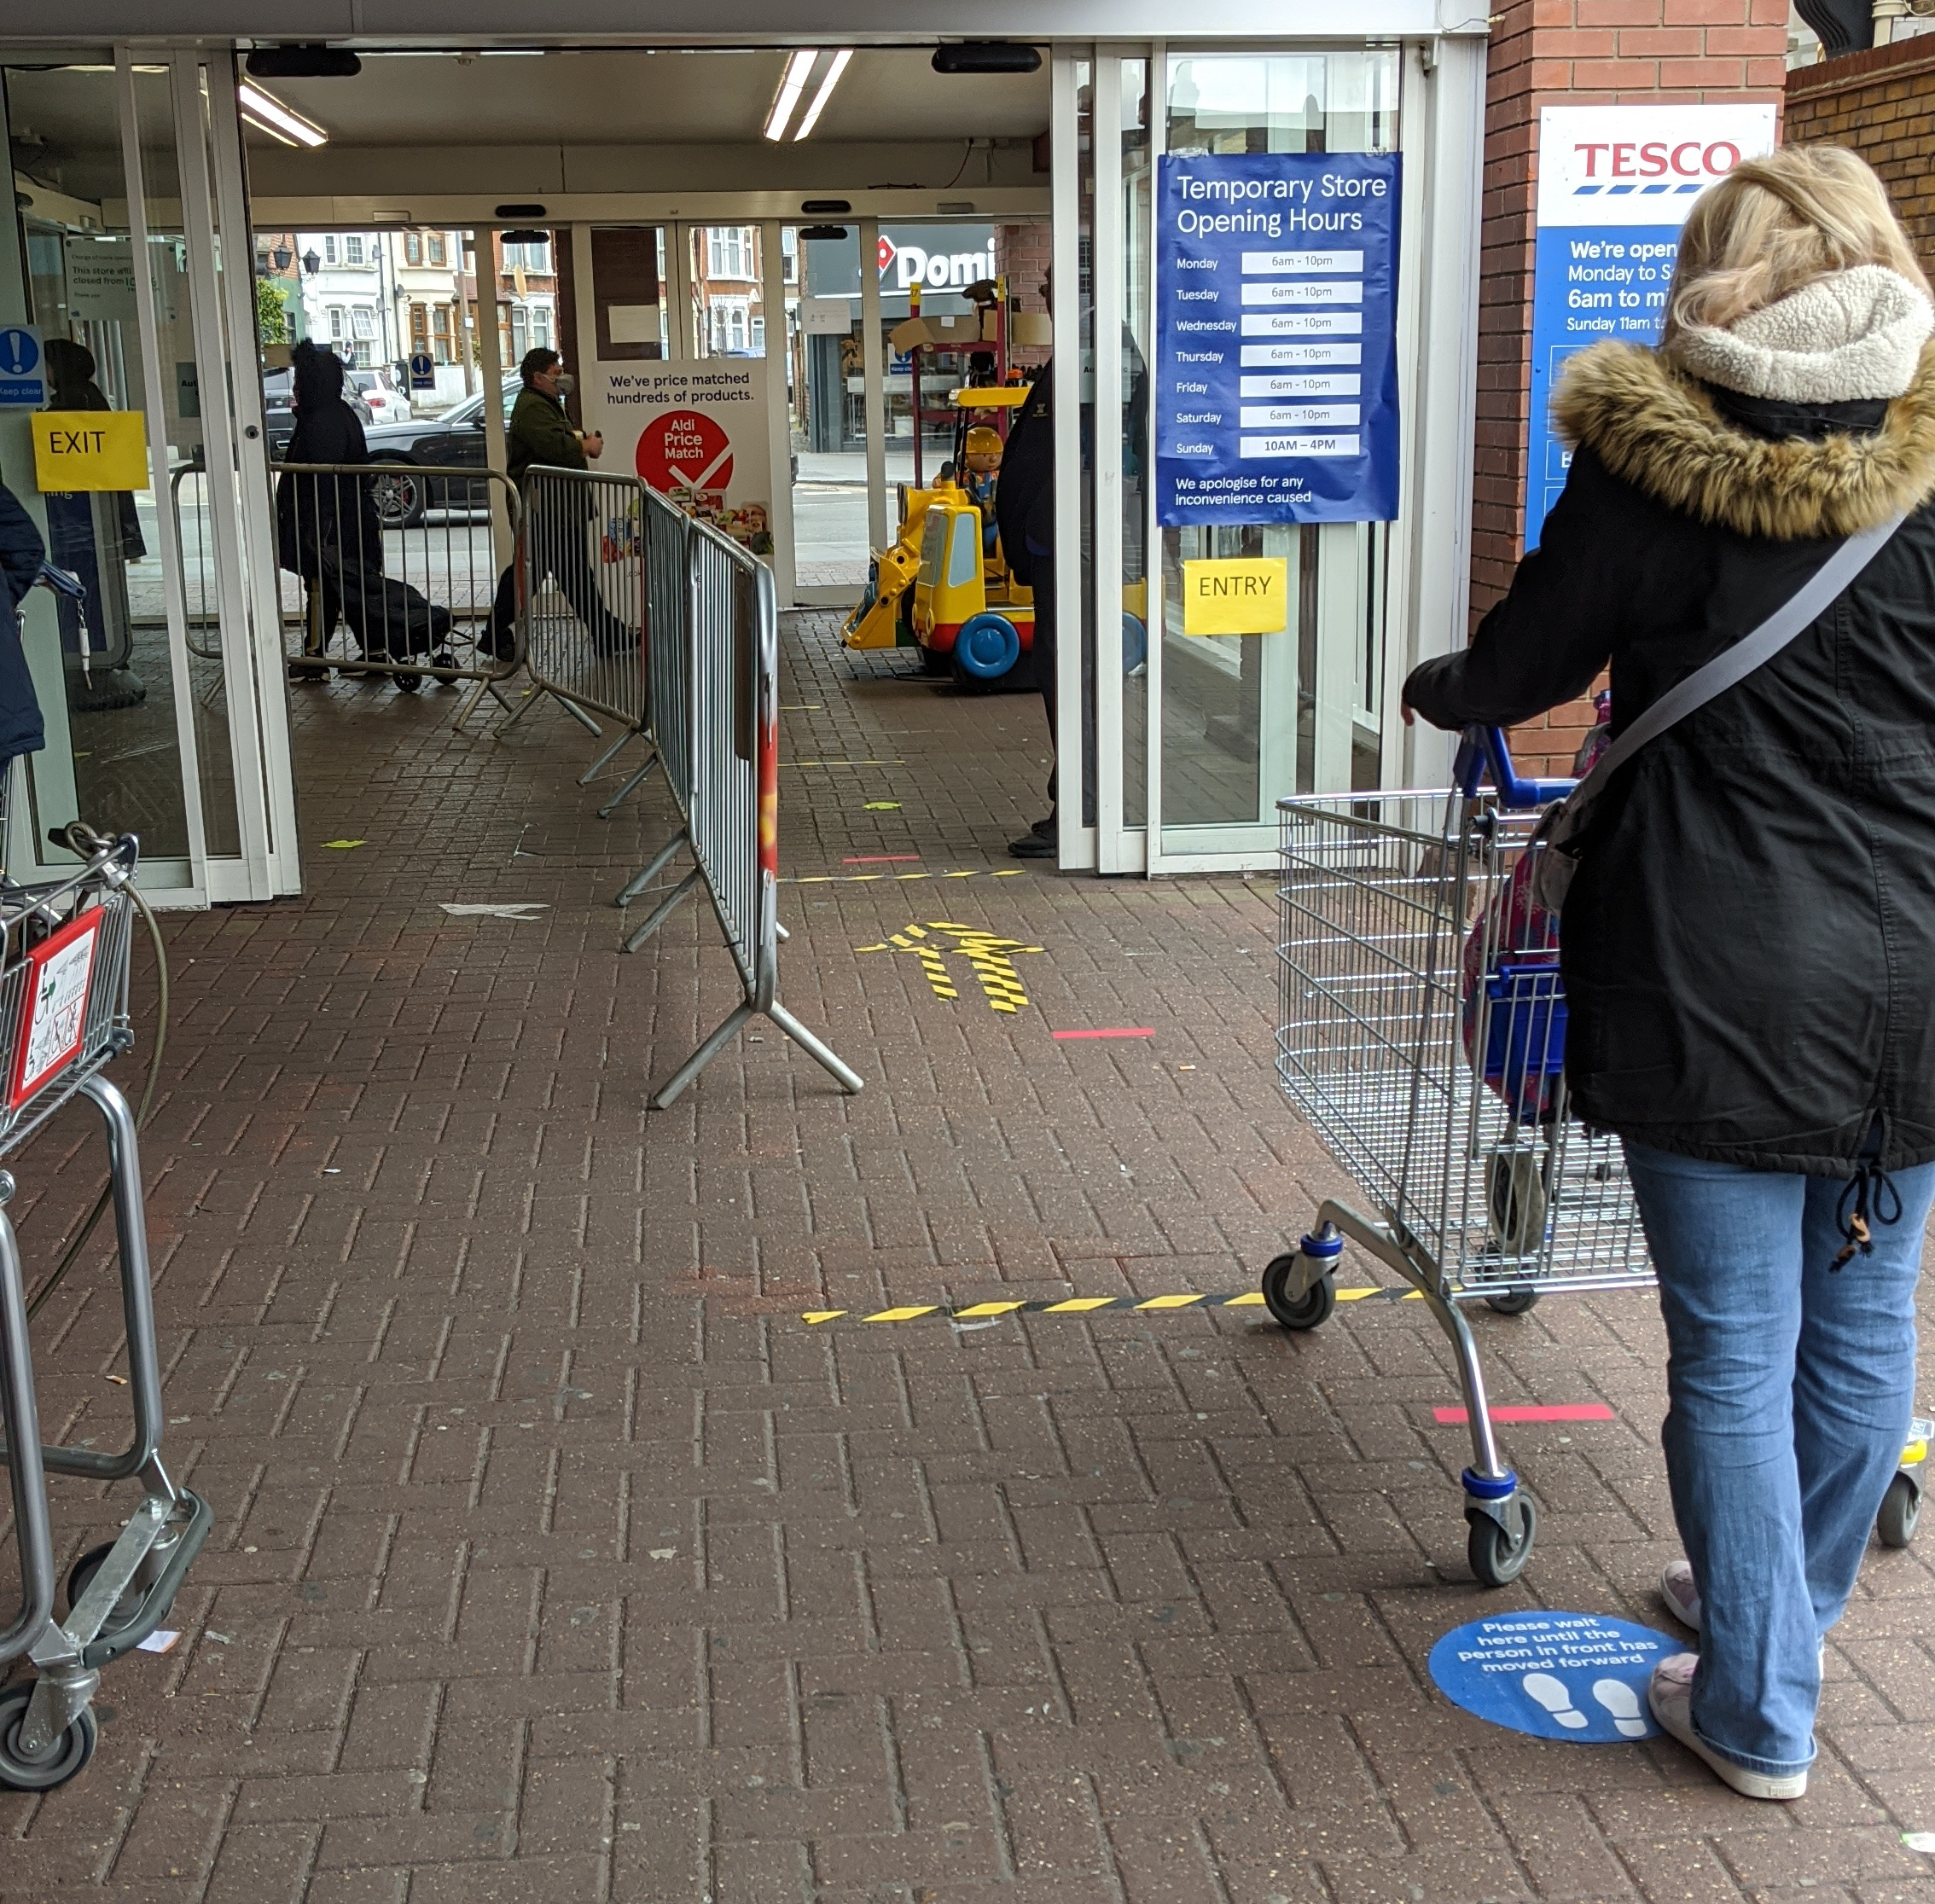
1276 362
1615 185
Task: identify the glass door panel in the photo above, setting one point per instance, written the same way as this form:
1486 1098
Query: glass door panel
1246 719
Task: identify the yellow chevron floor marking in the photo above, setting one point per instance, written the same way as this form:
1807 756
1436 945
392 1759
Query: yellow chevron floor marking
868 878
986 952
1180 1302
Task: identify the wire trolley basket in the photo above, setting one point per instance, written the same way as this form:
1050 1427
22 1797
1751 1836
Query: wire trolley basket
1422 1033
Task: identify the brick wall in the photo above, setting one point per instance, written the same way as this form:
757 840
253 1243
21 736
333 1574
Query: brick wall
1575 53
1023 254
1879 102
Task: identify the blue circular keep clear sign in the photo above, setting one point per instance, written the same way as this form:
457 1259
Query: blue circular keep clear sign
1581 1677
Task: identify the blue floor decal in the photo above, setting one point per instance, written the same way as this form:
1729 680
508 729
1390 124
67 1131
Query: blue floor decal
1576 1676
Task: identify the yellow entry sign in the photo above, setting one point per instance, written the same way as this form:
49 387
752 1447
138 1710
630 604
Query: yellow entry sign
89 450
1236 594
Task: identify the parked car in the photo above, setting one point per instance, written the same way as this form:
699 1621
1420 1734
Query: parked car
386 401
279 420
453 440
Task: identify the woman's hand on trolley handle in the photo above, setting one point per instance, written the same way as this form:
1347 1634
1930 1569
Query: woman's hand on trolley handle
1741 1015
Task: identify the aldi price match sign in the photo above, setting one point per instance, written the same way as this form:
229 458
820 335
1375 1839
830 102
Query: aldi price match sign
1615 185
1276 361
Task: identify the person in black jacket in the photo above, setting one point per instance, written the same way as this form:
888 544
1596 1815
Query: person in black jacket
1749 940
327 527
22 730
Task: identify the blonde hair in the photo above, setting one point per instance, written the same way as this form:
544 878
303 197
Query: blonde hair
1776 223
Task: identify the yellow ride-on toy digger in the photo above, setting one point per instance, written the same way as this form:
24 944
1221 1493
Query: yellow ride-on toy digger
944 586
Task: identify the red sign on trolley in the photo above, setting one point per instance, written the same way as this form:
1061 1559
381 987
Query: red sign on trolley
54 1011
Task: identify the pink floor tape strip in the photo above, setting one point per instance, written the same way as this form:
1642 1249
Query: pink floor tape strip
1567 1411
1125 1031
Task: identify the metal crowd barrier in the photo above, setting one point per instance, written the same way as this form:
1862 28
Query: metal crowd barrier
64 963
583 590
708 702
401 559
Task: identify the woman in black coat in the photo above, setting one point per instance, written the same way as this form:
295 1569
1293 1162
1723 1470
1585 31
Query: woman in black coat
1749 941
326 528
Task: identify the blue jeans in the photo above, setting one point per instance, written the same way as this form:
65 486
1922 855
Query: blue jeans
1789 1392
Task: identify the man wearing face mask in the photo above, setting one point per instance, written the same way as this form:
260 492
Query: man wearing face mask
541 434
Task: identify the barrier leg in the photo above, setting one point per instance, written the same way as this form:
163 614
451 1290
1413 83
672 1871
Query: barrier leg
702 1057
663 911
22 1453
645 876
605 759
630 787
578 714
849 1079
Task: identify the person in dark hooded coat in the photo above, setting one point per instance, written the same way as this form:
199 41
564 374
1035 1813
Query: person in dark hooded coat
1748 943
326 528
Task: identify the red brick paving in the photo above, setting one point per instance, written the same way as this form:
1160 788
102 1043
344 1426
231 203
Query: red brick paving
557 1559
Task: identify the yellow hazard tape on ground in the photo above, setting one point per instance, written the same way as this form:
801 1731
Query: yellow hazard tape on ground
1081 1305
872 879
987 955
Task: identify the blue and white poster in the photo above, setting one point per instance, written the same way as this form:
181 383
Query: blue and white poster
1276 364
1580 1677
1615 185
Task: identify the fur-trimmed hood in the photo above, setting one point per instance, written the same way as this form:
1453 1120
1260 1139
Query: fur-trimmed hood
1658 428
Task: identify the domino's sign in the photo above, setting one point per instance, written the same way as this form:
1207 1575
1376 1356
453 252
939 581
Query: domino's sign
1615 185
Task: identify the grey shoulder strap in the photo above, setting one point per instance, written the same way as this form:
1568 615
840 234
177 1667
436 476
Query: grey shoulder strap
1801 611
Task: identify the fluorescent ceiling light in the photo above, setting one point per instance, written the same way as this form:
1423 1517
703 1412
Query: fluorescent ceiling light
825 92
790 87
272 116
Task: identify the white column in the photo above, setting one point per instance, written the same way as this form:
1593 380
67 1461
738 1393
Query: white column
772 298
873 366
1105 275
491 365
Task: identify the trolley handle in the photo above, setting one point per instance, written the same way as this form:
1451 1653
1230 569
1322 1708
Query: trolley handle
1481 752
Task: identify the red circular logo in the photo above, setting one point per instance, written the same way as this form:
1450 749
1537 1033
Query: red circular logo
685 452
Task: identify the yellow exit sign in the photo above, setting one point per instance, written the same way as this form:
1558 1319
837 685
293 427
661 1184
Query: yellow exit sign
1236 594
89 450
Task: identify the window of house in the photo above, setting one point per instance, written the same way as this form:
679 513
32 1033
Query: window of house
419 329
519 332
330 247
728 251
364 321
440 333
336 323
352 248
540 324
530 257
439 249
413 247
789 254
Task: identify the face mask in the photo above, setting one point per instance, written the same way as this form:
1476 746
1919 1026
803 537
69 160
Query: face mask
567 384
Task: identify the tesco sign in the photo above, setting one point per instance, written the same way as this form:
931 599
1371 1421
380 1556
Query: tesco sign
1640 165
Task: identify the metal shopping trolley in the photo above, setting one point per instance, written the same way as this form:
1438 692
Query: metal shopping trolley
1423 1035
64 962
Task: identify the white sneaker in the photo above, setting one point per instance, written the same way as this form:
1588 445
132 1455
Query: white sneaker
1682 1597
1671 1696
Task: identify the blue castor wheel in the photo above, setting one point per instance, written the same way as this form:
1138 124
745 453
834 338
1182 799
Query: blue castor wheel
1504 1523
985 650
1299 1290
1901 1508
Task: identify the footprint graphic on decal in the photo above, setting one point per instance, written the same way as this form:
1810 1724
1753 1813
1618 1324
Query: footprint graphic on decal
1623 1703
1551 1694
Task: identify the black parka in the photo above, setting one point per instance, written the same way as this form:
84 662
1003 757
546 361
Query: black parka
1749 943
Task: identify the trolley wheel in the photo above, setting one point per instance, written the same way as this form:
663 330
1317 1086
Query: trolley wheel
1497 1559
1901 1508
1513 1302
125 1609
71 1751
407 683
1302 1312
443 658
